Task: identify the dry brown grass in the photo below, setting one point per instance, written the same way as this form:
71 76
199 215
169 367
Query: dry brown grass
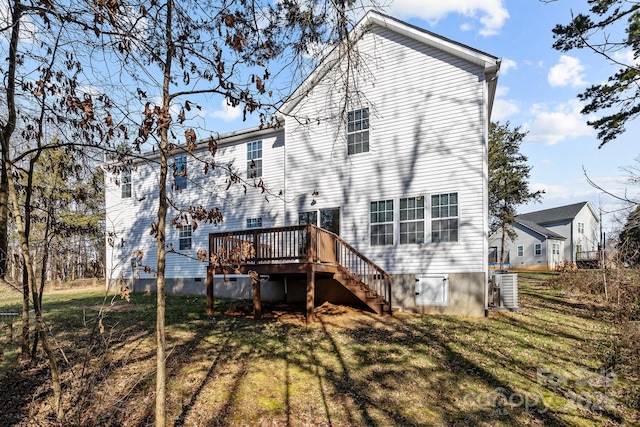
542 367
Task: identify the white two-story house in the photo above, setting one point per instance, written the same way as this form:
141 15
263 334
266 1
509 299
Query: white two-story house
392 176
548 237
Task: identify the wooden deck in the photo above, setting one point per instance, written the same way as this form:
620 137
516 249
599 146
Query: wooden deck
298 250
589 259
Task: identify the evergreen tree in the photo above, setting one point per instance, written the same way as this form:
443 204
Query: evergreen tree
618 98
508 179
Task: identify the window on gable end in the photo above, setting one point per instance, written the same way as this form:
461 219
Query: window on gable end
358 131
254 159
125 183
180 173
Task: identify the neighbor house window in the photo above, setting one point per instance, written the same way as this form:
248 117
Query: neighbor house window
520 250
254 222
185 237
358 131
444 217
555 248
181 172
581 227
412 220
125 183
254 159
382 223
578 250
537 249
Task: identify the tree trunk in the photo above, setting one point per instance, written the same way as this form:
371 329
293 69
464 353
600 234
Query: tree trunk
161 363
4 215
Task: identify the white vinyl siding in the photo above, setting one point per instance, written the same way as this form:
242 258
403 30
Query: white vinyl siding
428 153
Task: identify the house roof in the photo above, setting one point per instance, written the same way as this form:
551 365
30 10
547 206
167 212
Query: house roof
562 213
540 229
490 63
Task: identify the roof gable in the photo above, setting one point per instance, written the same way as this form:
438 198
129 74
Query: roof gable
562 213
490 63
545 232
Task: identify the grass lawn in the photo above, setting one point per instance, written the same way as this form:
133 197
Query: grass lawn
550 365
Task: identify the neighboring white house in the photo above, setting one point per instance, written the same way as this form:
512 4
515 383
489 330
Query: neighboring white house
400 174
548 237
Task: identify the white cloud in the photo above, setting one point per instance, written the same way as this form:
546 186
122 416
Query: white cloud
507 64
227 113
491 13
564 122
625 57
503 108
568 71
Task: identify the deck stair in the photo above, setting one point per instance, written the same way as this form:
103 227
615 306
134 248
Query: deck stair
300 249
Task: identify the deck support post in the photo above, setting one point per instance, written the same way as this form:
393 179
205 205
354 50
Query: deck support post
210 290
257 303
311 290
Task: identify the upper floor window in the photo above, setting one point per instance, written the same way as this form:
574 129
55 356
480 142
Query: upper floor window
358 131
581 227
180 173
444 217
382 223
412 220
555 248
125 183
254 159
254 222
185 237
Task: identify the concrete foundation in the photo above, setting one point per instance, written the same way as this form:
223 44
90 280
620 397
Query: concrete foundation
467 295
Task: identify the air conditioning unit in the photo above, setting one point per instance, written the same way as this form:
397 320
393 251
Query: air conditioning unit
506 292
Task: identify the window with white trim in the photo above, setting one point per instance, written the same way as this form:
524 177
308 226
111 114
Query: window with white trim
185 237
180 173
555 248
254 159
254 222
412 220
444 217
358 131
125 183
520 250
581 227
537 249
382 223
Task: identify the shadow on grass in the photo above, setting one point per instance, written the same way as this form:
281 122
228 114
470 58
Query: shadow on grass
347 369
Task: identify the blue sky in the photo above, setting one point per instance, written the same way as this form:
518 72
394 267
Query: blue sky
537 90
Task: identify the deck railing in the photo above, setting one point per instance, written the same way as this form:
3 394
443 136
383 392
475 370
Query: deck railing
588 255
298 244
